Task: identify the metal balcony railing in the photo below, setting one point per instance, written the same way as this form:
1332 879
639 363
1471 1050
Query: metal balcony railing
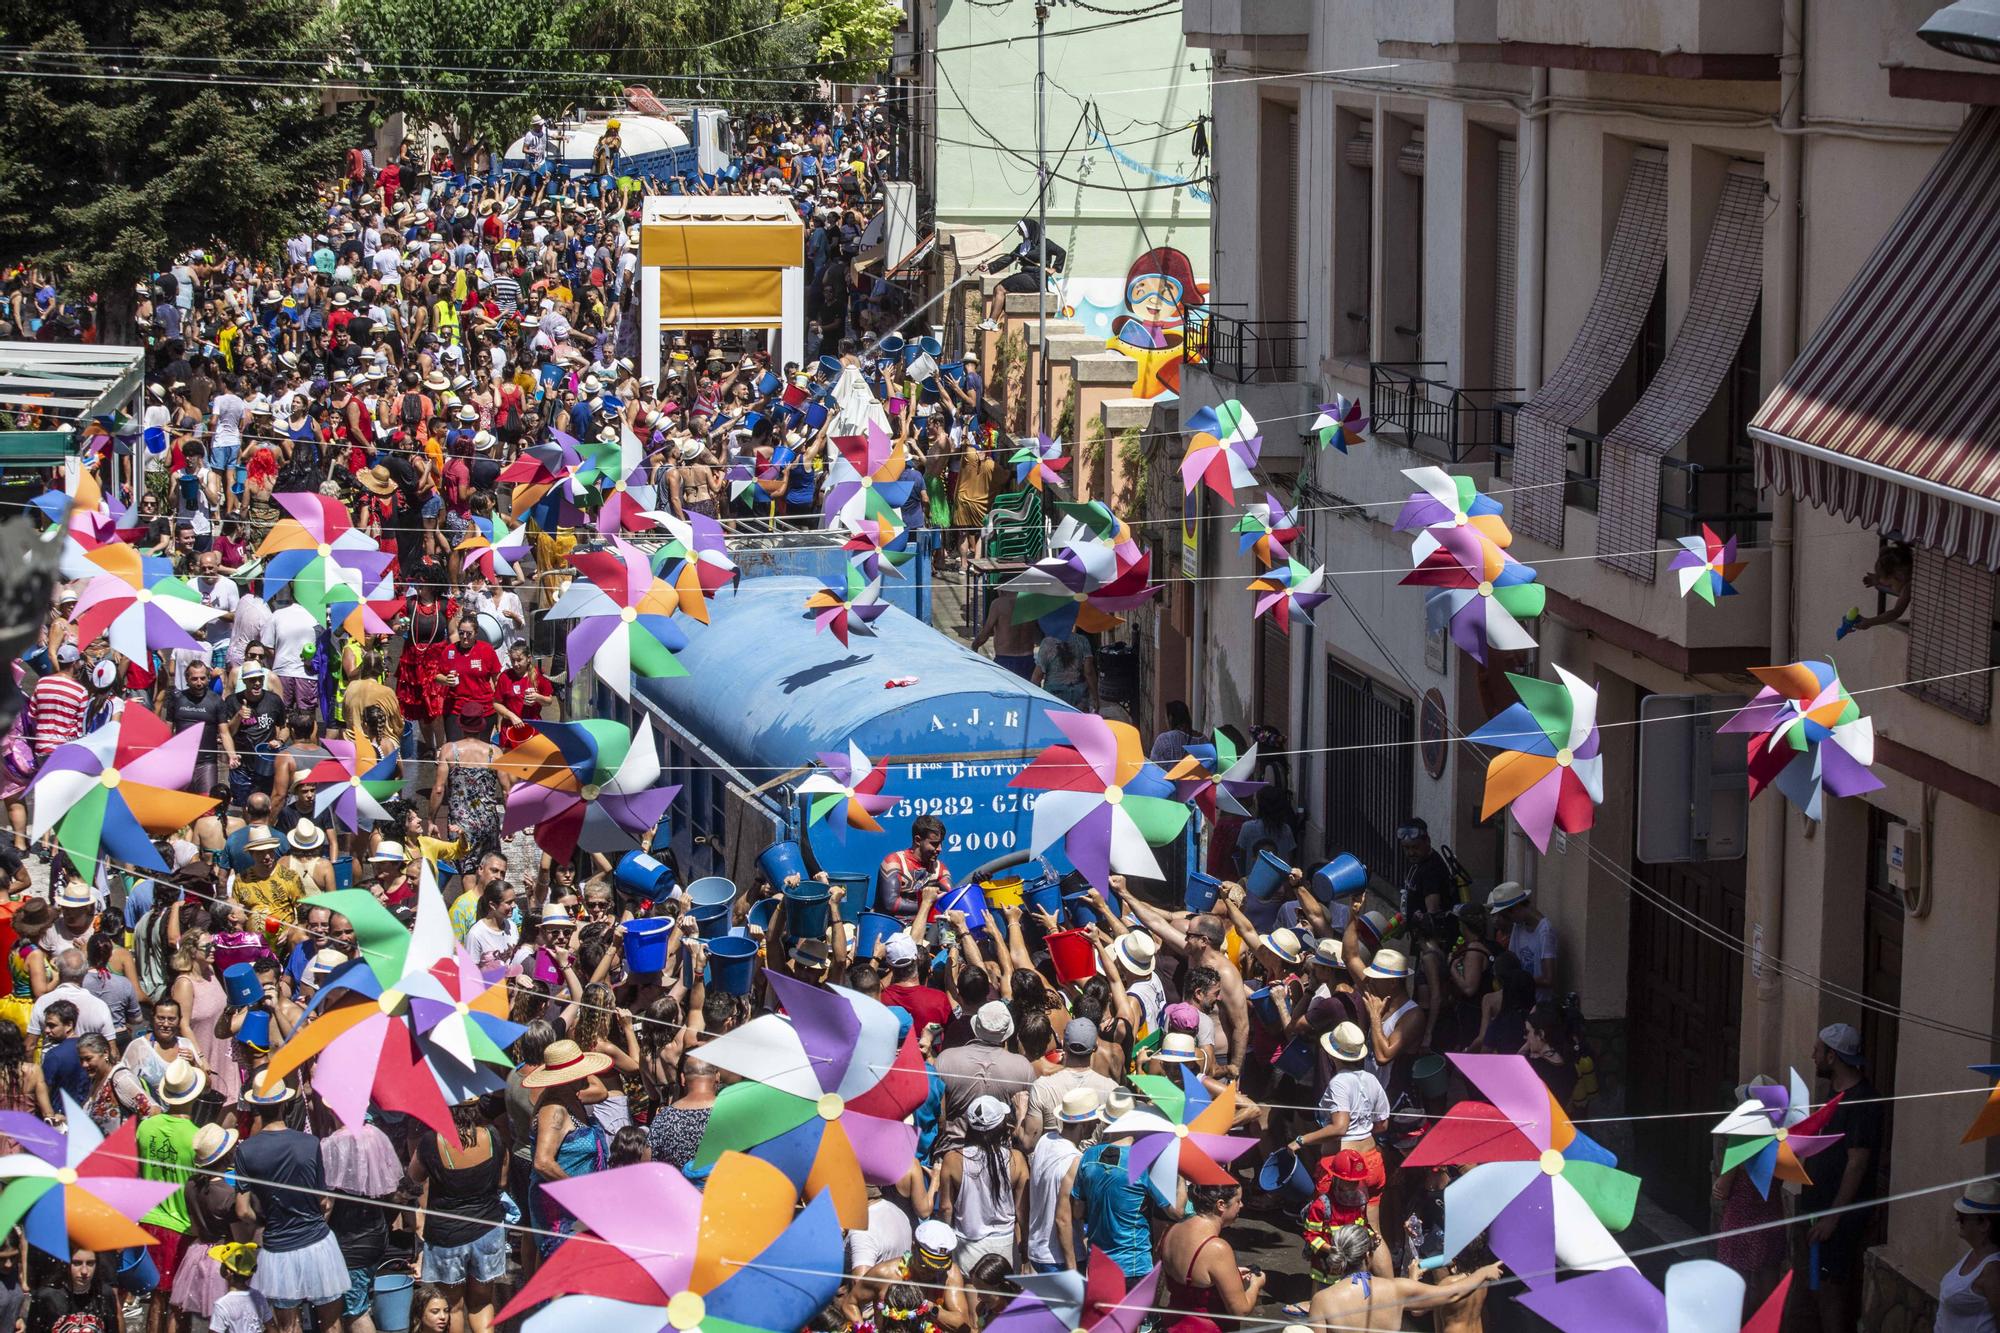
1247 351
1691 494
1434 415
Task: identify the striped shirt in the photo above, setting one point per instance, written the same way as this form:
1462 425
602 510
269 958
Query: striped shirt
506 293
59 703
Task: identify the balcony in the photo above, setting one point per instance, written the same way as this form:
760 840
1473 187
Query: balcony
1723 497
1248 351
1438 29
1438 418
1264 23
1695 39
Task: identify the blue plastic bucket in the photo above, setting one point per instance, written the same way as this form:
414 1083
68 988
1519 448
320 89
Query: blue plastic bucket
762 911
807 907
1267 875
239 984
871 927
646 944
644 876
1263 1006
857 891
1338 878
710 891
732 964
712 922
391 1303
1298 1060
343 872
1045 894
969 899
256 1029
780 861
1078 911
1201 891
136 1270
1286 1176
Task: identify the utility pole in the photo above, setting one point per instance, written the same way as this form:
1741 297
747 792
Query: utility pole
1042 218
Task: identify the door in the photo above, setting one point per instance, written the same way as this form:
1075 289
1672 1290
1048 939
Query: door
1684 1010
1881 982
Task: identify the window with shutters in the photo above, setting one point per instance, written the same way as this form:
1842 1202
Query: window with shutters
1401 336
1370 769
1951 635
1278 237
1273 706
1354 233
1506 242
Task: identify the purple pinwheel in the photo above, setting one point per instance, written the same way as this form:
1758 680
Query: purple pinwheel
1268 528
1772 1131
869 479
1039 464
1186 1136
1096 1301
698 553
352 787
589 784
878 546
1081 587
75 1187
1444 503
1101 799
547 488
1291 590
849 785
1482 593
1215 777
493 548
1340 423
317 551
624 616
138 604
850 610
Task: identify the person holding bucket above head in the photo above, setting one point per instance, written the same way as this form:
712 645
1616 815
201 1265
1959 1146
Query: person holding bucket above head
908 881
1351 1107
1198 940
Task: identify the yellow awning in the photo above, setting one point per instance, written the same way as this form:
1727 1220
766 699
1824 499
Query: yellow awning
675 245
710 298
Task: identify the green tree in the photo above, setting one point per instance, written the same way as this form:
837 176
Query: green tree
853 36
109 165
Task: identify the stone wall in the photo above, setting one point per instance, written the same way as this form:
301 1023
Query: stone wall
1890 1302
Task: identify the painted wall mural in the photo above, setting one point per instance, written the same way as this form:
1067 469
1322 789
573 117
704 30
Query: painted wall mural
1148 317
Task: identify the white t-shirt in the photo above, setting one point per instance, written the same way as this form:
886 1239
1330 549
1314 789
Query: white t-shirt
1360 1094
388 262
887 1236
219 594
228 411
1048 1167
293 629
1532 947
490 944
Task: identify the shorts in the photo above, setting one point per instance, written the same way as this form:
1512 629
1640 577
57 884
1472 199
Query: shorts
1377 1178
360 1291
483 1260
166 1248
1021 664
298 691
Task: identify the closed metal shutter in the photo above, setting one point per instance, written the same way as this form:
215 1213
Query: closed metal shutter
1360 150
1951 634
1369 773
1410 159
1506 248
1274 676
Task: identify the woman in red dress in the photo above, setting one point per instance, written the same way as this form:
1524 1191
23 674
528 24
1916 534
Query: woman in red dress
418 689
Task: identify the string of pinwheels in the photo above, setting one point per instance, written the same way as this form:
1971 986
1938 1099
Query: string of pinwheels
1102 799
848 788
318 551
112 791
624 614
590 784
1807 736
74 1187
1548 767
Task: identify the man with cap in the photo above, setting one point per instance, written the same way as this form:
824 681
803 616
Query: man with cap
1045 1098
59 701
1352 1106
1429 888
1531 937
925 1005
1054 1243
983 1067
930 1266
1842 1174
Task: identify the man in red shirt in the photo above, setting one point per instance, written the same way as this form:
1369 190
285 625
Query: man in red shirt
470 672
924 1004
903 876
522 692
59 701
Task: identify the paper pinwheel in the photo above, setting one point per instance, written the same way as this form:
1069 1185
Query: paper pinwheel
409 1025
1987 1123
139 605
76 1187
110 792
869 478
1070 1302
318 550
1039 464
660 1253
698 553
624 614
1807 736
1482 593
356 616
547 487
824 1094
1340 423
1223 445
1769 1134
1187 1136
850 787
1708 566
1269 529
492 547
589 784
1548 1191
878 546
1702 1296
628 504
1081 587
354 789
1101 799
1548 767
1092 522
1294 589
1444 503
850 610
749 480
1215 777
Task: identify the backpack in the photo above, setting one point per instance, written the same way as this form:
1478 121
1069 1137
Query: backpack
411 410
1460 876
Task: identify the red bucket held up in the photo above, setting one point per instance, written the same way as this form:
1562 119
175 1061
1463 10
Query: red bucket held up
1072 955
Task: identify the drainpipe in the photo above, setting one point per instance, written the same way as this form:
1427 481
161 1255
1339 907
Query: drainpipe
1767 879
1534 240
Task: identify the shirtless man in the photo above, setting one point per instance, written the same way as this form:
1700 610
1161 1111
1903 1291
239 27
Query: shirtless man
1198 940
1013 645
931 1268
1358 1300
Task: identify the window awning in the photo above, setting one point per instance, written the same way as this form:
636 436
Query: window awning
1891 414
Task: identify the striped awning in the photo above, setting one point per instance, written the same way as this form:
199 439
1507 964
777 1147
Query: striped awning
1891 415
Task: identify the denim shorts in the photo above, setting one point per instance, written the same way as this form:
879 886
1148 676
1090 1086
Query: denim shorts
482 1260
360 1291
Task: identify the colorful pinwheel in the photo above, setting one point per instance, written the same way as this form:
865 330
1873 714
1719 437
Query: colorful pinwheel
112 791
1081 587
1772 1131
849 786
589 784
1215 777
1987 1123
547 487
356 616
1549 767
1292 590
698 552
878 546
658 1252
409 1025
493 547
1445 503
76 1188
353 788
1548 1191
1186 1137
869 478
1094 1301
1039 464
1269 529
1708 566
824 1094
1702 1296
1093 522
1101 799
1482 593
624 615
139 605
1223 445
1808 737
628 504
1340 423
317 551
850 610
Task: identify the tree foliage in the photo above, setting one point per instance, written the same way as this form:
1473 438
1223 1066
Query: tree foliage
852 37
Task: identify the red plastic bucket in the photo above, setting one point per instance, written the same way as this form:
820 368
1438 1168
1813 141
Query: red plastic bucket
1072 955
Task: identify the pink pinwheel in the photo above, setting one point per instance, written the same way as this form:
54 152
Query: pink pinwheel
139 605
589 784
374 614
75 1188
1094 1301
1482 593
1548 1191
849 786
850 610
493 548
1340 423
1269 529
1444 503
1548 763
1101 799
1039 464
625 618
698 552
1186 1137
1702 1296
824 1094
1772 1131
111 791
1091 522
547 487
354 782
1292 590
869 478
1081 587
628 504
1708 566
1807 736
317 551
1223 445
878 546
